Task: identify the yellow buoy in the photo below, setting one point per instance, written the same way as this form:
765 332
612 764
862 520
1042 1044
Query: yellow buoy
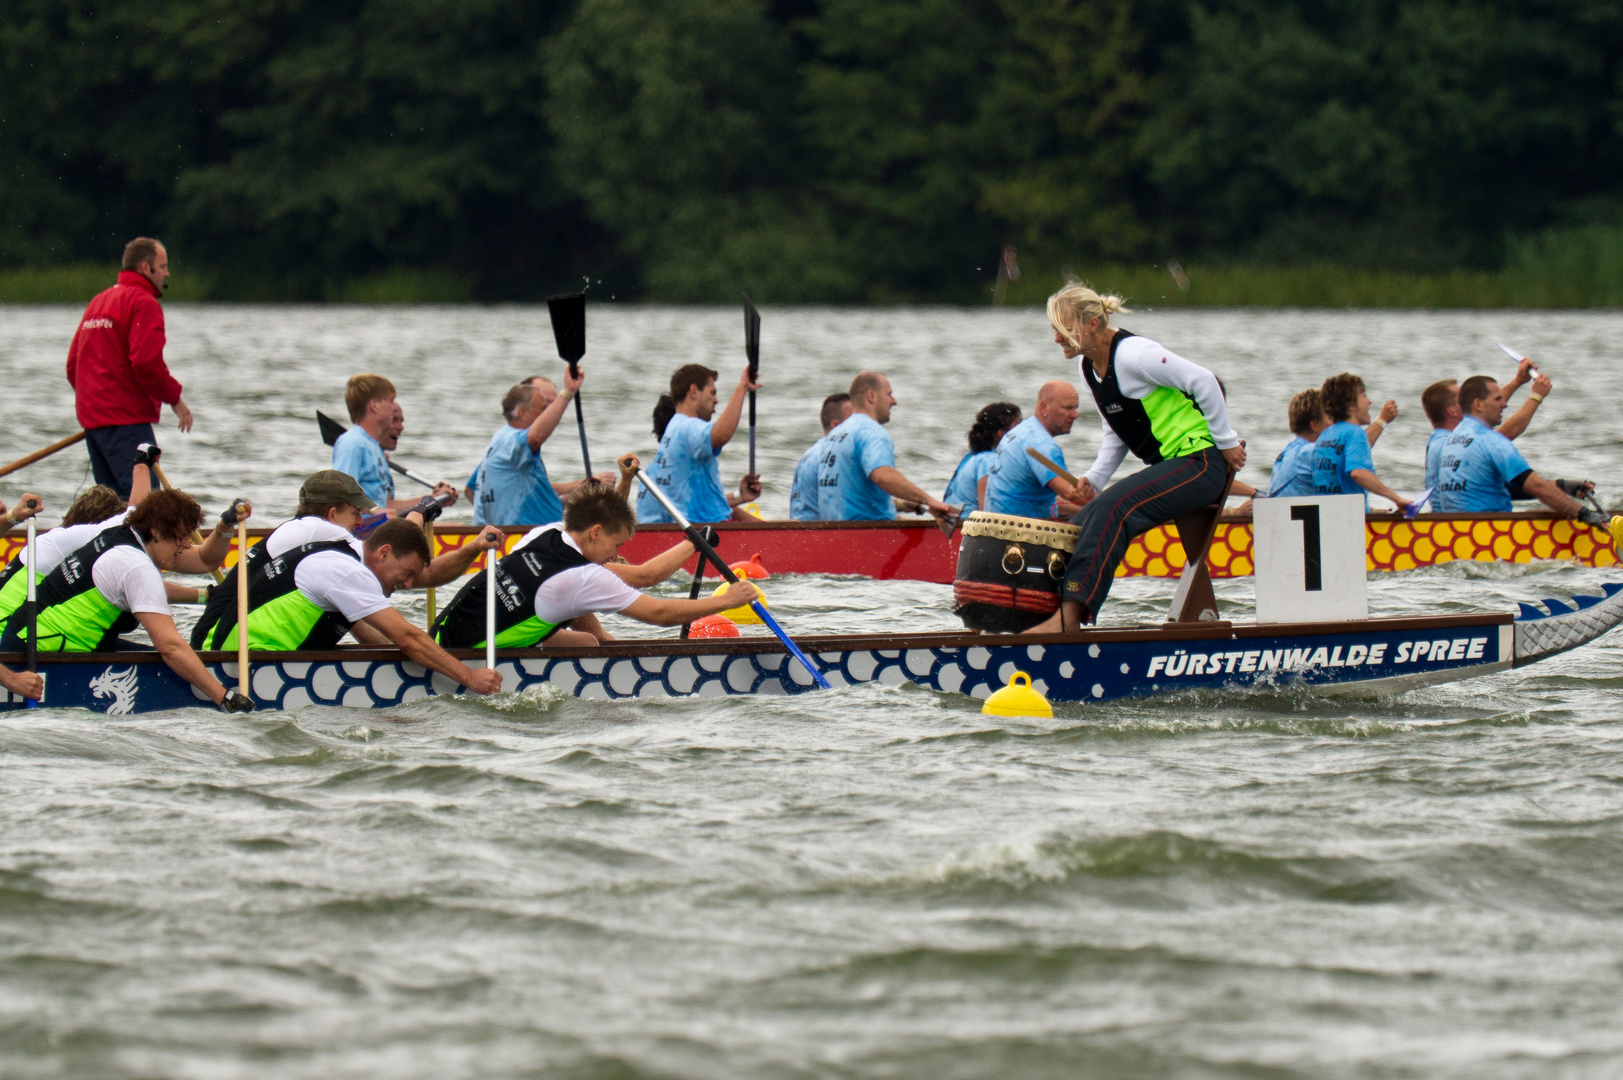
1616 529
742 615
1017 699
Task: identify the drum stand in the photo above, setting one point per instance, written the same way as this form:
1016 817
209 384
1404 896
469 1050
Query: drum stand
1194 601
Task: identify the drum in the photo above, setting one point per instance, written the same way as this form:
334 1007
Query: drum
1010 570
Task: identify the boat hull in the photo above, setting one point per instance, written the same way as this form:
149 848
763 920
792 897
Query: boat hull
1374 656
917 551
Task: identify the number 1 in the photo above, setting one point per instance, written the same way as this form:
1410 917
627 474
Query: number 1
1312 572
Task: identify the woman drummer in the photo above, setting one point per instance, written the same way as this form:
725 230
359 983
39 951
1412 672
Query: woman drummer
1168 411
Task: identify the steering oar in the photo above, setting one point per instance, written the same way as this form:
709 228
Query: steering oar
697 540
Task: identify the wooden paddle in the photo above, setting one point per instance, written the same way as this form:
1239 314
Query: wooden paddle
490 609
242 601
1051 467
752 350
29 459
331 429
568 311
197 537
32 619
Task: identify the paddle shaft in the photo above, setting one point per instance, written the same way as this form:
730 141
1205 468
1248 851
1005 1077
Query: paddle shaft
490 609
580 422
1053 468
60 444
197 537
33 610
752 425
428 531
697 539
332 429
242 606
693 592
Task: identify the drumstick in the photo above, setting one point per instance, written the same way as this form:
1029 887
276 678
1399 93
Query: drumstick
1051 467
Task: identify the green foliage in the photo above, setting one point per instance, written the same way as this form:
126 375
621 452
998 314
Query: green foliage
1342 151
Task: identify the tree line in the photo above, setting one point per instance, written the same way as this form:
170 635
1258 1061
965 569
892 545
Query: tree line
808 150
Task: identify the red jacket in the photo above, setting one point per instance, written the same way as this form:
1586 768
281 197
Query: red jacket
115 364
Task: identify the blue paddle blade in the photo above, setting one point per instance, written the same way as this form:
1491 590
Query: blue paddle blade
788 642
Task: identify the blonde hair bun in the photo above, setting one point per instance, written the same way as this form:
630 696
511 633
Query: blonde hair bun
1076 303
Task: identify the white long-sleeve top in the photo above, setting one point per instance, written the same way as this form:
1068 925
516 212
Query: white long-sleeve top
1142 365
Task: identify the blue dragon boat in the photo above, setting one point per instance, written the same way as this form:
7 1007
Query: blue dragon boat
1366 657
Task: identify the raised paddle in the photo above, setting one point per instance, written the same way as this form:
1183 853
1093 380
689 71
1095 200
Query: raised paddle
197 537
752 350
568 311
45 452
331 429
1051 467
697 539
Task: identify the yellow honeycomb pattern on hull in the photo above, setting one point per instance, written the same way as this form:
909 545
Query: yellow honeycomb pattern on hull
1393 545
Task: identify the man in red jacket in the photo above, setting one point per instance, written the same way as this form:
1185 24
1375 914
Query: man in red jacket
116 368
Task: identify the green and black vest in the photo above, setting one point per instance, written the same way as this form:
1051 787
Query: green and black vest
1165 424
73 614
13 589
280 618
224 597
519 577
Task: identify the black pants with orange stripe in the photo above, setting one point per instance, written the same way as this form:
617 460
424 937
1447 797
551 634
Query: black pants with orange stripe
1150 497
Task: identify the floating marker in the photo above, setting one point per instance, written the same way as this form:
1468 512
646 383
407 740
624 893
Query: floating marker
1017 699
753 570
744 616
712 626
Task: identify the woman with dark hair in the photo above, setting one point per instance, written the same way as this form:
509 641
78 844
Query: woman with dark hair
113 584
991 424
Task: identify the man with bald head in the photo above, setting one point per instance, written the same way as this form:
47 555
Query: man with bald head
1018 484
856 475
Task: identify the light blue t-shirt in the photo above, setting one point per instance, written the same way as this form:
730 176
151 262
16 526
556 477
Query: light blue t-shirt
1339 450
357 453
803 493
964 489
687 474
1017 483
851 452
1293 470
1477 464
1434 455
513 486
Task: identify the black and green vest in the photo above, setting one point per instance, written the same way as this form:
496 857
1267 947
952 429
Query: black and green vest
1166 424
519 577
224 597
13 589
73 614
280 618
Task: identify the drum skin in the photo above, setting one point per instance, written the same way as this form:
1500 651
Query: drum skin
1010 570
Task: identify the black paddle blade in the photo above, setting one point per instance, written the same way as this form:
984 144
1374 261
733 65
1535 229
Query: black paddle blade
752 335
568 312
330 428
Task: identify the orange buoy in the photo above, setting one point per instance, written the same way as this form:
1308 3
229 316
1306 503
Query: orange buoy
752 570
713 626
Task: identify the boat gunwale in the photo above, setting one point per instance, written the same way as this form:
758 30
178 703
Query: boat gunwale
952 639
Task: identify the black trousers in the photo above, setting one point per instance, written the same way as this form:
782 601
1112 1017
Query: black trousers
1150 497
112 454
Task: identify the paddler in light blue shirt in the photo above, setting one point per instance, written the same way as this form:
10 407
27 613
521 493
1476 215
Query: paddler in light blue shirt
1441 403
1481 471
686 467
803 493
857 478
512 484
359 452
1342 463
1293 468
1018 483
992 423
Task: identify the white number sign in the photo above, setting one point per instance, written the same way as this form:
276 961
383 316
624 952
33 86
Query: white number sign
1310 559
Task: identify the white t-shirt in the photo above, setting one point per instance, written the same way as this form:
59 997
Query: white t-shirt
330 580
127 579
580 590
59 543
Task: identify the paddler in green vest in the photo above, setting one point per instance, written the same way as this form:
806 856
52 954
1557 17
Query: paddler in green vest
113 584
553 585
1168 411
317 583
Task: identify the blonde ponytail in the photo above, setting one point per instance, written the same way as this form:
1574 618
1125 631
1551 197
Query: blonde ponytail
1076 303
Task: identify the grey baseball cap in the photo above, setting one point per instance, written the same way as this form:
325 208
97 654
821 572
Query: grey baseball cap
332 486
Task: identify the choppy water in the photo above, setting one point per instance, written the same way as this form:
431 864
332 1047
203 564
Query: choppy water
875 882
